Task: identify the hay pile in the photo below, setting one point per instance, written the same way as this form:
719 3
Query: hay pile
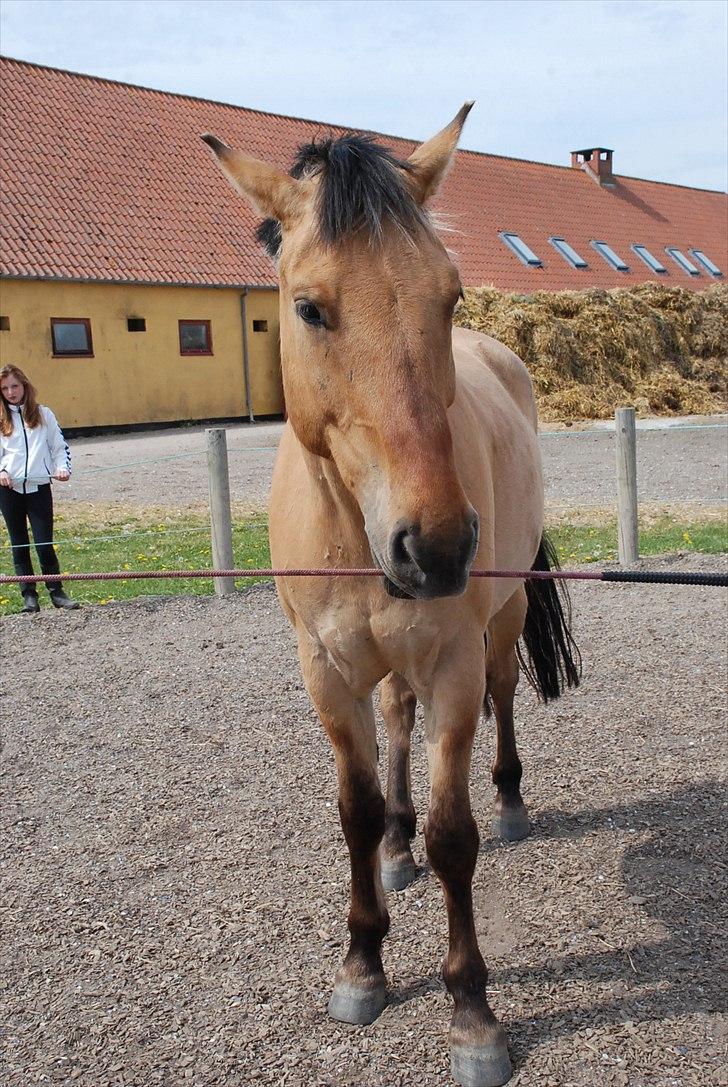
661 349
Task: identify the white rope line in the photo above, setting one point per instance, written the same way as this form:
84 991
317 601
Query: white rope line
147 460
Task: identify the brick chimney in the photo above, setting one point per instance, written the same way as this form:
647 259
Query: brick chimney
596 162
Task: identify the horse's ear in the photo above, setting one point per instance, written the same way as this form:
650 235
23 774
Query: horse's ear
432 159
270 191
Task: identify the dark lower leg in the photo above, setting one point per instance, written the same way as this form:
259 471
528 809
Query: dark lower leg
13 507
452 847
40 515
359 992
510 820
400 821
478 1044
360 989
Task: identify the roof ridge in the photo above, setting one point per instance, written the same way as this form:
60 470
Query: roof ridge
329 124
571 169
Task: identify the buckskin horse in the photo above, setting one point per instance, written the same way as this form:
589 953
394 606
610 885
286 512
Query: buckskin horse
410 446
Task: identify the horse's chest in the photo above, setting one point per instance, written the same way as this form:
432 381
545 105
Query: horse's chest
366 648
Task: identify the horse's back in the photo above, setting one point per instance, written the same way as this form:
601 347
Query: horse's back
477 356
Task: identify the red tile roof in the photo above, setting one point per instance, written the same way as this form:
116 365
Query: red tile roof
107 181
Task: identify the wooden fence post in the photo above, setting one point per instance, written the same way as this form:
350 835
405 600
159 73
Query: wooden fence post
220 519
624 420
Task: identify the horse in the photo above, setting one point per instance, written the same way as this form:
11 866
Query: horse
411 447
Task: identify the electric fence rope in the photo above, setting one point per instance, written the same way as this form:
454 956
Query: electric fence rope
654 577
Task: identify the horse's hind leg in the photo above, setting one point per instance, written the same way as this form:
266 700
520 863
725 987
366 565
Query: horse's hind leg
510 819
398 709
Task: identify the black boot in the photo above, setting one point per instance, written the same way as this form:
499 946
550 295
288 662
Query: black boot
30 603
60 600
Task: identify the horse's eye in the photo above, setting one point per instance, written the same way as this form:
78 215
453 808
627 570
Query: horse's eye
310 313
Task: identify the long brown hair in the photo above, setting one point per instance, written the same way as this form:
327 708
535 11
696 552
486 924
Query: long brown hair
31 407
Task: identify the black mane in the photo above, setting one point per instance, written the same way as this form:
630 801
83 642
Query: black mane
363 186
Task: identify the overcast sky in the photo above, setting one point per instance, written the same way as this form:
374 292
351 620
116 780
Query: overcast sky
648 78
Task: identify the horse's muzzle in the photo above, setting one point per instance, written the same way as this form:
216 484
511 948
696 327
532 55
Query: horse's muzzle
424 567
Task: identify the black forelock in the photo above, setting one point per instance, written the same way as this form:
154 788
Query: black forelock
362 188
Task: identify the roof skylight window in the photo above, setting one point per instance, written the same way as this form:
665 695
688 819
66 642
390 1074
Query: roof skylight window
610 256
706 262
650 261
682 260
522 251
569 254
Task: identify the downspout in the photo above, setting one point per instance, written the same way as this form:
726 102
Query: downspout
246 362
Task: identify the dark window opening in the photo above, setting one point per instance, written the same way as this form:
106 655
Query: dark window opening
71 336
195 338
260 326
4 324
136 324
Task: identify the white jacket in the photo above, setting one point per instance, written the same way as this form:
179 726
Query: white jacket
31 455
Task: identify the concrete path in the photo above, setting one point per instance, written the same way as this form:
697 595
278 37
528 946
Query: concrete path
680 462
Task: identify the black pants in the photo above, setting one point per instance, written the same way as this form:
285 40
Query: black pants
36 507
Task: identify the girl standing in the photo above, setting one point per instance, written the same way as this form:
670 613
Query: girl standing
32 452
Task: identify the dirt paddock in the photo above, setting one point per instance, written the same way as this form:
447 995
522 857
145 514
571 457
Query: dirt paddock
175 881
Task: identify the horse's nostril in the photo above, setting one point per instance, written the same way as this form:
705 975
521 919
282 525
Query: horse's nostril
398 549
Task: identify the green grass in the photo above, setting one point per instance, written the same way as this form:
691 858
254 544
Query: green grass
577 543
183 542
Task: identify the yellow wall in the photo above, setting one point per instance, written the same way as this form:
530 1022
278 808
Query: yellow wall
266 383
141 377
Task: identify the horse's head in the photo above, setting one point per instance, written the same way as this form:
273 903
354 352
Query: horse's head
367 293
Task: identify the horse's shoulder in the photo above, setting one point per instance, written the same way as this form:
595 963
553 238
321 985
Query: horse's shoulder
479 349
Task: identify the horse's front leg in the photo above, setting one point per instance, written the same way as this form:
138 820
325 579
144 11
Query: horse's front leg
359 991
398 710
478 1044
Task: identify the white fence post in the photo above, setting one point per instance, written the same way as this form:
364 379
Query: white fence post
220 519
624 420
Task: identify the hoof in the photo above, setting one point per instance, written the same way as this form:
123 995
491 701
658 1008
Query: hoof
397 874
360 1004
481 1065
510 823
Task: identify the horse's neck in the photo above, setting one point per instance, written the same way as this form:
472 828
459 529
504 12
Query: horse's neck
337 513
330 489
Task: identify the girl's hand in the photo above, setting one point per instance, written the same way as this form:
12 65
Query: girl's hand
62 474
5 480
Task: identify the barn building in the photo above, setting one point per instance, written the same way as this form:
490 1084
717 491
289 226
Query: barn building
133 290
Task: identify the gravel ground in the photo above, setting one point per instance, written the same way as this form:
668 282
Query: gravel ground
676 464
176 883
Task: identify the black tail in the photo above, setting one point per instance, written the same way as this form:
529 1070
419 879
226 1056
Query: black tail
552 660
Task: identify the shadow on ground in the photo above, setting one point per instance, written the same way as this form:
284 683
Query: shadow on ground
678 877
